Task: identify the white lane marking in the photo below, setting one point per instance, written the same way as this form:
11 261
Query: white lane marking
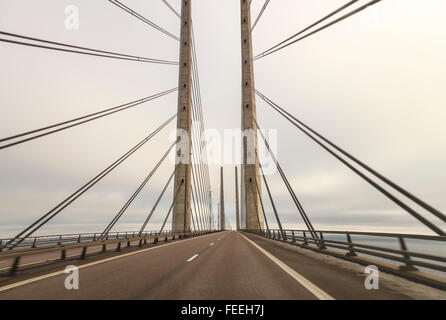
315 290
212 244
57 273
192 258
218 239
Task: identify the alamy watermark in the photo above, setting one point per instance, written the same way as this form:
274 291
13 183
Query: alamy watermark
371 282
72 280
71 17
232 146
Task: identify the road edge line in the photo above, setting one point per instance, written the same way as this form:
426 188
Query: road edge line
315 290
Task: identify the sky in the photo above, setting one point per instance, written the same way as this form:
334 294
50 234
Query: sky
374 84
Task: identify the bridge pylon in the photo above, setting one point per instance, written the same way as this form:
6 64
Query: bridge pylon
181 218
252 214
222 201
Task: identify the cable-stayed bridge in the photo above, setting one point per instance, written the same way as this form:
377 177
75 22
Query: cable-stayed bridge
193 255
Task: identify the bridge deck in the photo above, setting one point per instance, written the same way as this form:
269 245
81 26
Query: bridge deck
216 266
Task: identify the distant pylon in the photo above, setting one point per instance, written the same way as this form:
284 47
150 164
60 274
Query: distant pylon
237 209
222 201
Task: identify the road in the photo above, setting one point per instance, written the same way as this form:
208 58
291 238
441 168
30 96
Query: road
221 266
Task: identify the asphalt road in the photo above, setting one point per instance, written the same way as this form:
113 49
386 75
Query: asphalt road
225 265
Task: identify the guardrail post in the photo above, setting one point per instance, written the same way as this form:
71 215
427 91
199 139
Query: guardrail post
305 239
128 244
34 242
165 239
322 242
409 266
274 234
155 240
145 241
117 235
94 237
79 239
84 252
60 240
104 247
119 247
1 248
351 251
294 237
173 237
284 235
63 255
15 266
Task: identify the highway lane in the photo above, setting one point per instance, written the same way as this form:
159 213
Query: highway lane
217 266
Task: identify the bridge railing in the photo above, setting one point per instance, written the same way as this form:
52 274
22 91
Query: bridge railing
48 240
355 243
40 245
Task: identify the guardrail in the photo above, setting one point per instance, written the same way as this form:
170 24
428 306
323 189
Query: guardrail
406 259
53 243
39 241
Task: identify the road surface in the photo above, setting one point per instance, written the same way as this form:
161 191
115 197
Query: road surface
224 265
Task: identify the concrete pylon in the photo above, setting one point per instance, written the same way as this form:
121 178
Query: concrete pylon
237 209
222 201
181 216
252 218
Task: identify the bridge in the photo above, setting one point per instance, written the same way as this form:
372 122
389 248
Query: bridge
194 253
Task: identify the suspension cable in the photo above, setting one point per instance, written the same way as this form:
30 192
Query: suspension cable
171 8
277 48
173 202
86 51
156 204
92 116
397 201
65 203
260 14
142 18
288 186
261 202
135 194
270 195
255 204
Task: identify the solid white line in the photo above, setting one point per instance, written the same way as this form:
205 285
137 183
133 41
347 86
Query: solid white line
192 258
212 244
315 290
57 273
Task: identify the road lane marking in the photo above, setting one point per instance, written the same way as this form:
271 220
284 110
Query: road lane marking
192 258
315 290
57 273
212 244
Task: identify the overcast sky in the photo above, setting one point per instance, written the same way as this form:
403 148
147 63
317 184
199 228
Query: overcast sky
374 84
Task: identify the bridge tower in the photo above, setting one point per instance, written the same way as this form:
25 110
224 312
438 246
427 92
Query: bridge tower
237 208
181 218
252 214
222 201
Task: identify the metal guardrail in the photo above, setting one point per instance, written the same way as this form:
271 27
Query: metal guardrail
54 243
39 241
408 260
